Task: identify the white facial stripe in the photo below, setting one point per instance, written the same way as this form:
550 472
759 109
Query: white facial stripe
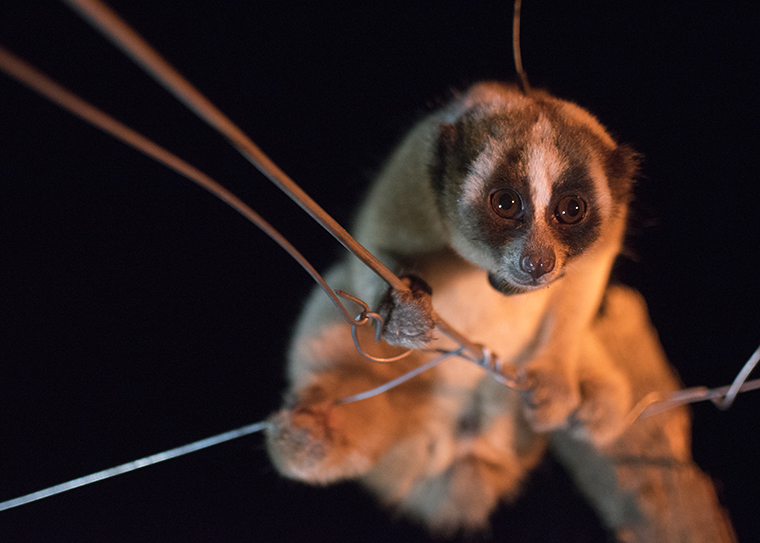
544 165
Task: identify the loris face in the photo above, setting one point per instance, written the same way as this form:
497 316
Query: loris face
527 185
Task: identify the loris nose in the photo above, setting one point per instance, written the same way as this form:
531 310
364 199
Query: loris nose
538 263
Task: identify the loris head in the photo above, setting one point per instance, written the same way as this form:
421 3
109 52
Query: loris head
527 184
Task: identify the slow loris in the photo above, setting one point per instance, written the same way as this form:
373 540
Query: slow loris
512 208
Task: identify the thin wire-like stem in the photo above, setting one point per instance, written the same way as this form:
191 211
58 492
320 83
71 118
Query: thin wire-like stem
655 403
42 84
136 464
385 387
739 384
516 52
141 52
133 45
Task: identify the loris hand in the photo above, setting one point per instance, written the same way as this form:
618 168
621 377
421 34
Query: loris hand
408 316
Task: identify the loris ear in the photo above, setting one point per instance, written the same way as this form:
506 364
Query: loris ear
622 170
444 148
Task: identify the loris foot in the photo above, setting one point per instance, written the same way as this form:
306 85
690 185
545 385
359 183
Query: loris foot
306 443
408 316
594 413
550 400
605 402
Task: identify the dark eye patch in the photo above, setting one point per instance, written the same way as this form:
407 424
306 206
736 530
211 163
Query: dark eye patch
511 173
493 228
577 236
575 179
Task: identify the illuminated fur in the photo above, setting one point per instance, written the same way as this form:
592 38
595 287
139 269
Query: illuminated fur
527 282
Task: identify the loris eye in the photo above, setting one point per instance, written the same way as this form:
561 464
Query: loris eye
570 210
506 203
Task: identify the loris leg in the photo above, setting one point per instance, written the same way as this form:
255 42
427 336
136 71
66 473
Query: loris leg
319 439
644 484
605 396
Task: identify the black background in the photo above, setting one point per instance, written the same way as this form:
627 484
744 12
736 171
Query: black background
139 313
